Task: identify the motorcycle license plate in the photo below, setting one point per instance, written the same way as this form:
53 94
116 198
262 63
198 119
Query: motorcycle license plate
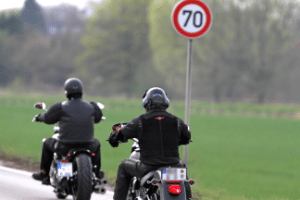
65 169
173 173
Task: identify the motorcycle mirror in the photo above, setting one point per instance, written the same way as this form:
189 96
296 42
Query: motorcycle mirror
40 105
100 105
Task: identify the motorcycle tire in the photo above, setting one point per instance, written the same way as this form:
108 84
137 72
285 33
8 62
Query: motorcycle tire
154 197
82 188
61 196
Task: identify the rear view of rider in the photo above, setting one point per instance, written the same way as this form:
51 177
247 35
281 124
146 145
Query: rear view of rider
159 133
76 118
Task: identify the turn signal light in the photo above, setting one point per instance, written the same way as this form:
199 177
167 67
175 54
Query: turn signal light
192 182
174 189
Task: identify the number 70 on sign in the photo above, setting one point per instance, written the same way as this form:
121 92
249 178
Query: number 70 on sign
191 18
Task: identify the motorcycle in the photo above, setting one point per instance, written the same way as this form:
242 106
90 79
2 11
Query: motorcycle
73 173
165 183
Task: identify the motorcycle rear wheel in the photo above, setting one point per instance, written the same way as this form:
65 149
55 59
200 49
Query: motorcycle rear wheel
155 197
82 188
61 196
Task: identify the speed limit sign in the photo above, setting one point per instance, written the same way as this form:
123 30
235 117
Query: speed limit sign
191 18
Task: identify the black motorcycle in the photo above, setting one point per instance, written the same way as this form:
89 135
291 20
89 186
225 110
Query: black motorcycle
73 173
165 183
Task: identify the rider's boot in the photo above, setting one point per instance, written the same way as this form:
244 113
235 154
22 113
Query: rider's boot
46 181
42 176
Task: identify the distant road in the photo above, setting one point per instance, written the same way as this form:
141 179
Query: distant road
17 184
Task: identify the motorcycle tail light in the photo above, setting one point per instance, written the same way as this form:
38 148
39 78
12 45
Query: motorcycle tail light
64 160
69 155
174 189
93 154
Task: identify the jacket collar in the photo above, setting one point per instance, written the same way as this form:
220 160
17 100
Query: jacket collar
157 109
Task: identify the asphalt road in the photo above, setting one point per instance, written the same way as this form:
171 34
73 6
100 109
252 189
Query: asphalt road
18 185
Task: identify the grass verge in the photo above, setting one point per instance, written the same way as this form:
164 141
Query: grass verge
232 156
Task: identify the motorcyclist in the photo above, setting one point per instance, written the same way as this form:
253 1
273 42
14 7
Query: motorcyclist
159 133
76 118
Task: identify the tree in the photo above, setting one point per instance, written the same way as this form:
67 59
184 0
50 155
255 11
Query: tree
32 17
169 49
116 46
213 53
38 61
10 21
3 75
63 19
269 27
35 60
247 46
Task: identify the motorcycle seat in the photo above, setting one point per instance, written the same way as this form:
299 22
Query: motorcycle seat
63 148
70 153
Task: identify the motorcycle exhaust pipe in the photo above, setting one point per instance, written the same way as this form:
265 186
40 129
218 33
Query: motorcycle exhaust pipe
102 190
104 182
138 198
99 190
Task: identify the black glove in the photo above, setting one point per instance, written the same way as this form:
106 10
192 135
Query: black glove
112 139
36 118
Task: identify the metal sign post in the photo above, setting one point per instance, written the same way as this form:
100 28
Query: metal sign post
191 19
188 93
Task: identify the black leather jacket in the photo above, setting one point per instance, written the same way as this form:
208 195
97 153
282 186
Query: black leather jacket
160 134
76 119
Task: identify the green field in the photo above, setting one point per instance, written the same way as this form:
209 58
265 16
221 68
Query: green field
231 157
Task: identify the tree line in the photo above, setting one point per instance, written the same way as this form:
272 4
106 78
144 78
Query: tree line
127 46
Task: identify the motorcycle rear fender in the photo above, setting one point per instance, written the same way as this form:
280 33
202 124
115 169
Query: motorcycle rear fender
149 176
157 175
73 152
164 194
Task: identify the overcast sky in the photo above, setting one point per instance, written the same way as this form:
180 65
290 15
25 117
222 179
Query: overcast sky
8 4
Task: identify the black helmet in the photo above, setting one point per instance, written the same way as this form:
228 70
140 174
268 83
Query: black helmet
155 97
73 86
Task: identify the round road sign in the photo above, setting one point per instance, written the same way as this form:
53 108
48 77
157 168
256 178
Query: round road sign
191 18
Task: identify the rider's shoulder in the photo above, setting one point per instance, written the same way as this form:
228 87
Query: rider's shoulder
134 120
179 119
56 105
63 103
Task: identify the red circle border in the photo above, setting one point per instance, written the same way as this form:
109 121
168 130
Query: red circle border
184 33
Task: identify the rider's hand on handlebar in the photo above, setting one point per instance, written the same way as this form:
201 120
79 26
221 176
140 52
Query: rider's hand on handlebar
36 118
112 139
